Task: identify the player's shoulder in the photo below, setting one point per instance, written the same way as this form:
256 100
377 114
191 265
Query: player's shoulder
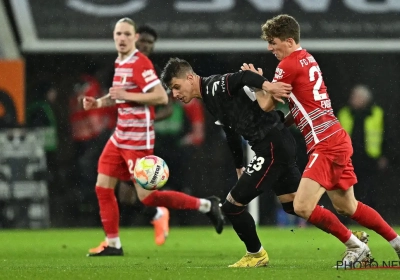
140 58
212 79
297 59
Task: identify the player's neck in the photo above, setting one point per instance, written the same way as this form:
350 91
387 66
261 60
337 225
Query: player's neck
292 49
123 56
197 87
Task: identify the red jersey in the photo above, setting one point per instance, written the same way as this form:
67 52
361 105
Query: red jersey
309 101
134 129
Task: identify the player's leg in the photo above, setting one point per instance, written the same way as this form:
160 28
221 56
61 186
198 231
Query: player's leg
262 172
305 205
174 199
323 172
182 201
286 187
111 167
346 204
157 216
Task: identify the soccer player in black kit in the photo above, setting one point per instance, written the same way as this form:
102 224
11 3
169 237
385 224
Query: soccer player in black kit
230 99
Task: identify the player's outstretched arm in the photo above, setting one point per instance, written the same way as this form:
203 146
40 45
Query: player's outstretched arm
93 103
154 96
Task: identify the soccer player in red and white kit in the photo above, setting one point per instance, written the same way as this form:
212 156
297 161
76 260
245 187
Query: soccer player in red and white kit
329 147
135 80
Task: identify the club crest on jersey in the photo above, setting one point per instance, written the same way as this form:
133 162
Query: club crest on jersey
278 73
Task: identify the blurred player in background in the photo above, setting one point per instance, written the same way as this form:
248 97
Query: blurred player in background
134 80
329 147
159 216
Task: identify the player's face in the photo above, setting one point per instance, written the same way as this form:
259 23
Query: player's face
279 48
145 43
182 89
125 38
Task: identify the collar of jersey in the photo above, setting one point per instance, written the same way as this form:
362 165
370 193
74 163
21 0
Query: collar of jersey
126 59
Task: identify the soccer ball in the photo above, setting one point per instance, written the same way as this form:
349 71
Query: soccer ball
151 172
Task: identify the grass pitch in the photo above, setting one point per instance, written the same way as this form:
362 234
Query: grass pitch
190 253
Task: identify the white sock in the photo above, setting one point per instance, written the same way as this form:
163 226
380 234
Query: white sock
395 242
159 214
205 205
353 242
114 242
255 252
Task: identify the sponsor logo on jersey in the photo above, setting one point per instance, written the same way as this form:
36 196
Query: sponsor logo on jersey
215 87
149 75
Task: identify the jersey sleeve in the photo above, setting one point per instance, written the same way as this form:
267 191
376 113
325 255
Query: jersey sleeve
144 75
236 81
285 72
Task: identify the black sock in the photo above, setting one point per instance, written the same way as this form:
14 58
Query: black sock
149 212
245 228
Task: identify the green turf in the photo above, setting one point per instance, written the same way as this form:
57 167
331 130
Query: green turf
190 253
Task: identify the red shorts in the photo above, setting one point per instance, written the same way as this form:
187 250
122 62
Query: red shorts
119 163
329 163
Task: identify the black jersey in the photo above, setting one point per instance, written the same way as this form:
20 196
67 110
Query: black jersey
232 102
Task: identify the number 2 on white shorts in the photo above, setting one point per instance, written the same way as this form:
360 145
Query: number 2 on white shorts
313 160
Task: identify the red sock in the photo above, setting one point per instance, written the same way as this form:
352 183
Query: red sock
328 222
172 200
369 218
109 212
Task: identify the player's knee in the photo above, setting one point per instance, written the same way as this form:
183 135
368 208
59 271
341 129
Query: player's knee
302 209
230 209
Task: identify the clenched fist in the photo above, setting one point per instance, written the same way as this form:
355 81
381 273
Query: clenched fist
89 103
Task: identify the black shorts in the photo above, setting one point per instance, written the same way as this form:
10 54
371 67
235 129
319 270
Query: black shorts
273 166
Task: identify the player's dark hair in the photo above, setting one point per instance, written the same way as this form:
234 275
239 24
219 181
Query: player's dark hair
127 20
175 68
282 27
147 29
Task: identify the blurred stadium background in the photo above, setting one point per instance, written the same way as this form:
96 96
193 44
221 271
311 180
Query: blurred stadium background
47 172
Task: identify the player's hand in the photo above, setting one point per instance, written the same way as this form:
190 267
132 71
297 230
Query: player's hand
279 91
239 171
250 67
117 93
89 103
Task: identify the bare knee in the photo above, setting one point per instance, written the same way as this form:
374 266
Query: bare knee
106 181
302 209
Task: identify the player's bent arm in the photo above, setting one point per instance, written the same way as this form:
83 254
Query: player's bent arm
154 96
289 120
265 100
235 144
